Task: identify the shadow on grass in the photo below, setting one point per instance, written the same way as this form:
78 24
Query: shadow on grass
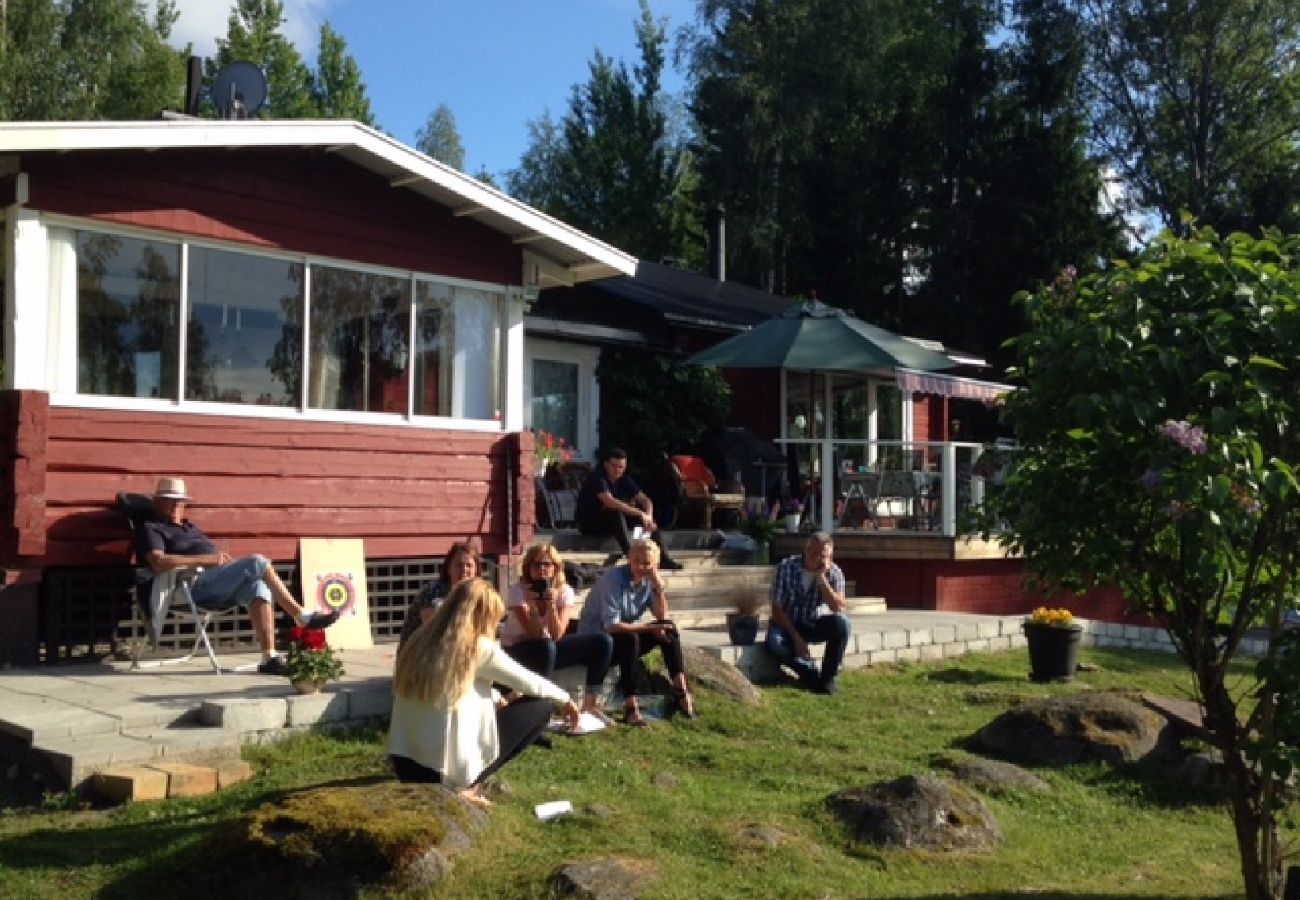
1062 895
965 675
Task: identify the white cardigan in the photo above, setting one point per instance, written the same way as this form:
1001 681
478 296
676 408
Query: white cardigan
460 741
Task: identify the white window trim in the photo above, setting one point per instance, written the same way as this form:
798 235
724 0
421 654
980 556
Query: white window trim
32 244
586 358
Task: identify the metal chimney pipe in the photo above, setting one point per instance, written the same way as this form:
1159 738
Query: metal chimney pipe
716 224
193 85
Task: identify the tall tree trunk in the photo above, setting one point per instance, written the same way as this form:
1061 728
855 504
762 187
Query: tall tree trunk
1253 820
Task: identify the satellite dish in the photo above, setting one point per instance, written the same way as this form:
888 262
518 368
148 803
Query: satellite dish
239 90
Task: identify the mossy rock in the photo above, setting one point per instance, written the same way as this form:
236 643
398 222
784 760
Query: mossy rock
917 813
335 840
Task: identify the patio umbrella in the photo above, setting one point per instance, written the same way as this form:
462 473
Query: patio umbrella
823 338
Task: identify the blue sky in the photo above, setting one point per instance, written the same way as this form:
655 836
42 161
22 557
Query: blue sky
495 63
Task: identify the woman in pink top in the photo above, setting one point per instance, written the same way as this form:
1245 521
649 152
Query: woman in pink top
535 634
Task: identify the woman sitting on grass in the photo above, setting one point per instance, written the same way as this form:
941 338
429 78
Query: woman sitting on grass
536 630
461 562
446 726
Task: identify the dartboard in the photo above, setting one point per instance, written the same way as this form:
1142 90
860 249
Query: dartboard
335 592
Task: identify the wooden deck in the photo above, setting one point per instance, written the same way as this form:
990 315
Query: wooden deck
900 544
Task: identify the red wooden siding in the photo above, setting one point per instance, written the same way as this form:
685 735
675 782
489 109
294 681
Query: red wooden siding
989 586
305 201
260 485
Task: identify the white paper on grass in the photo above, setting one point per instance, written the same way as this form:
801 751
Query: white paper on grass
587 723
546 811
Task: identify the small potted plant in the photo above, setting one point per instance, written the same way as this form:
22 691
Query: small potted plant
1053 637
549 450
310 662
762 530
791 513
742 625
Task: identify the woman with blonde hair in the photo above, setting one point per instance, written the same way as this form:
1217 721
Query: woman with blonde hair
536 633
446 726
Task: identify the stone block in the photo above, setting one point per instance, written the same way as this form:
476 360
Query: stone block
244 715
868 641
988 629
978 645
231 770
187 779
966 631
369 702
1019 640
892 640
1002 642
944 634
311 709
882 656
954 648
908 654
130 783
932 651
917 637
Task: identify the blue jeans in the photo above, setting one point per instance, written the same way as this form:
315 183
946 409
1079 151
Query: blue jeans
832 629
237 583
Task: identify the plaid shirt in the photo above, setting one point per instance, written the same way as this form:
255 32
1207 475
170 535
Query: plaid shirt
799 602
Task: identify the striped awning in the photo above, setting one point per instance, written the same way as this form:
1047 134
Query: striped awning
912 381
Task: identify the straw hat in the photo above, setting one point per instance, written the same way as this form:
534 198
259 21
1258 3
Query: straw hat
171 489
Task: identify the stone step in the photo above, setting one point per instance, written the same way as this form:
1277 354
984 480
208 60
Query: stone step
716 616
870 645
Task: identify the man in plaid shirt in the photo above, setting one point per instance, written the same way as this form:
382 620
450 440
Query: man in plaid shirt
808 606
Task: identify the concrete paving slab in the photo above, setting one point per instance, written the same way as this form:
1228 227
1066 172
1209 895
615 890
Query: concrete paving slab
52 719
94 716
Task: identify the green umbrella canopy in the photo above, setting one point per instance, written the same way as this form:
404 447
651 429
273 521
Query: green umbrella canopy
816 336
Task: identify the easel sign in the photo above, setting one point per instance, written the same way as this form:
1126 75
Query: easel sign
334 580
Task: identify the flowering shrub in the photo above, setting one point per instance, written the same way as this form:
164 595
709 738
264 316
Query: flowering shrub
310 657
759 527
1057 618
548 449
1185 435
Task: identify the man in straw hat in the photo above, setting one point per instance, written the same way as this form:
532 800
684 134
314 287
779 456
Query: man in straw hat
171 541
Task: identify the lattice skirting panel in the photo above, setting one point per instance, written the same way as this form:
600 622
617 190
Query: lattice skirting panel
90 612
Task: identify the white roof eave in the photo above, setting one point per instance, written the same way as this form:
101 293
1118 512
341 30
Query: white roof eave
585 258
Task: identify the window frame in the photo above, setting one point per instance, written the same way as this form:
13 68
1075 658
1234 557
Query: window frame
67 347
586 358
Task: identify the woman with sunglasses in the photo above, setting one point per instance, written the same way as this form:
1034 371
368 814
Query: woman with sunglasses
535 633
461 563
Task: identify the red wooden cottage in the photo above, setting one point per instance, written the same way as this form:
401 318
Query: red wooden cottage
316 326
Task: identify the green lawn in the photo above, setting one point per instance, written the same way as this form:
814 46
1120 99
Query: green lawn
1099 833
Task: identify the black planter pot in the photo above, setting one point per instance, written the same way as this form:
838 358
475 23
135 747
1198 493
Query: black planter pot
1053 651
742 630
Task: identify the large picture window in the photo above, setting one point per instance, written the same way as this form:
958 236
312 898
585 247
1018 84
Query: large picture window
376 342
360 323
245 336
128 302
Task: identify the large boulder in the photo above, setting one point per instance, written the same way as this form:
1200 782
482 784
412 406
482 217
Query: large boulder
606 878
992 776
1058 731
337 840
721 677
918 813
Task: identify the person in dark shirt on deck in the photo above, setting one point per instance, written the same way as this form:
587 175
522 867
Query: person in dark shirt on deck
610 501
171 541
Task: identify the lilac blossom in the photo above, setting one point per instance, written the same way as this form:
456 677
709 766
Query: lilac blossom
1185 435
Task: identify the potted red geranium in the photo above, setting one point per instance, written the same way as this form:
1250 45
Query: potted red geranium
311 662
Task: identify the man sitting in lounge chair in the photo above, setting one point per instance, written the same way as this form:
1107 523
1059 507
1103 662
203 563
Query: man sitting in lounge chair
171 541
